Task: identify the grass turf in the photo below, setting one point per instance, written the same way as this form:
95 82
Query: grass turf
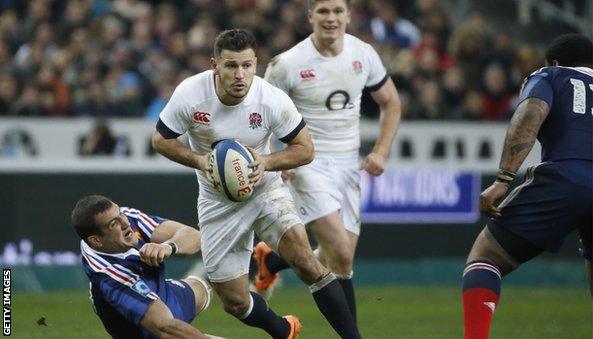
384 312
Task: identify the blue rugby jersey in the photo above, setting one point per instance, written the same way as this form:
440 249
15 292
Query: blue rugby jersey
567 132
121 286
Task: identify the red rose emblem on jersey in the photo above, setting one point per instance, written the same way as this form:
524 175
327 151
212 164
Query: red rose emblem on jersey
255 120
357 66
202 118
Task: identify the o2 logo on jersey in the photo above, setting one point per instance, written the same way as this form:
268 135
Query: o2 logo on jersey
357 66
202 118
337 100
255 120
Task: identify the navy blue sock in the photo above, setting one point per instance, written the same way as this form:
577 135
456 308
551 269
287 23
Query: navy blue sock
263 317
331 301
349 292
275 263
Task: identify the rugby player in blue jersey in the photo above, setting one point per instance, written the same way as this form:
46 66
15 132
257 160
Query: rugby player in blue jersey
556 108
123 252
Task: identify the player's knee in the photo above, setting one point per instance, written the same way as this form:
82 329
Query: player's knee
343 260
307 267
236 306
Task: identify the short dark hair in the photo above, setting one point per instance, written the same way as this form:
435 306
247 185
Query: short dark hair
313 3
235 40
84 212
570 50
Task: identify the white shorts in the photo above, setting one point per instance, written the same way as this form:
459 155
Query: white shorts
227 229
327 185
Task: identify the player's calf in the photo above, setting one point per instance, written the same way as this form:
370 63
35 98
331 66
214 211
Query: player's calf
250 308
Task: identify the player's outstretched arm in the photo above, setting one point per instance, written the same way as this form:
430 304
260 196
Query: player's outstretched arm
159 321
389 103
175 150
519 140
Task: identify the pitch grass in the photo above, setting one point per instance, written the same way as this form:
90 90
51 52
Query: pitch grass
384 312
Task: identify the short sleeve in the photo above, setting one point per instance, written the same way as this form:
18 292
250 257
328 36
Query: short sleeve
277 75
377 73
287 122
144 223
131 302
175 118
538 85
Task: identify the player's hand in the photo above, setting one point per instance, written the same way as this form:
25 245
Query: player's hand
203 163
490 196
258 167
374 164
154 254
287 174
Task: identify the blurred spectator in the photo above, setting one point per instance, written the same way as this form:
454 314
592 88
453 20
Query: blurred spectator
468 45
105 58
471 107
496 95
453 87
430 104
388 27
8 91
101 141
158 103
17 143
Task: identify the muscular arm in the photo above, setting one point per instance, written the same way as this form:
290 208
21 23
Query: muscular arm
186 238
390 107
178 152
522 133
159 321
299 151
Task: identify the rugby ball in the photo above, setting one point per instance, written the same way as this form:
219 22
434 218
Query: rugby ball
229 160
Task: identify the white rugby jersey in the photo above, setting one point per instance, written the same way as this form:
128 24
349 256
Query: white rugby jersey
327 90
195 109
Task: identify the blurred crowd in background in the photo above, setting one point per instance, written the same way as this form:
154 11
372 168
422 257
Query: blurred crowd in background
123 58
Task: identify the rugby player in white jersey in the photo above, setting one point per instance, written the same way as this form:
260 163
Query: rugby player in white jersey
230 102
325 75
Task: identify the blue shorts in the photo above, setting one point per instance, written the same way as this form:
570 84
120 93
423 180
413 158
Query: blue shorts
555 199
180 300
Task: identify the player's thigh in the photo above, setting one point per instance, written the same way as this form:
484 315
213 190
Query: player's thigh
350 203
227 241
181 299
278 215
315 188
543 210
330 233
202 292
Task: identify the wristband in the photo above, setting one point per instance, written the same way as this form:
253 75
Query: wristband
173 247
505 176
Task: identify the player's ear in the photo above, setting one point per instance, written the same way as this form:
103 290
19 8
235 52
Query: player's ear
94 241
213 65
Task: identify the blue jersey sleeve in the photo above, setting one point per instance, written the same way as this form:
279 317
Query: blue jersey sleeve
538 85
144 223
131 302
